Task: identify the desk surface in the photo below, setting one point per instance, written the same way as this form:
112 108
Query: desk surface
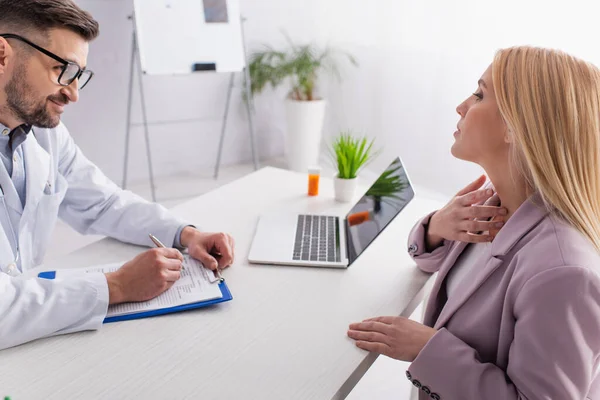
282 337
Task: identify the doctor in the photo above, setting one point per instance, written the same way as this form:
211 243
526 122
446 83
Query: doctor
44 175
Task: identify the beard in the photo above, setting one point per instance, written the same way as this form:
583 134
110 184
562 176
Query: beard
21 102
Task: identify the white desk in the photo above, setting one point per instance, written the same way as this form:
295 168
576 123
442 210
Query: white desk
282 337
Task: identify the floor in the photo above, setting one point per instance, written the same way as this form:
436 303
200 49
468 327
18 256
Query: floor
384 380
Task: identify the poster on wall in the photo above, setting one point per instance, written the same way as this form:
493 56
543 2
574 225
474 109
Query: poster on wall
215 11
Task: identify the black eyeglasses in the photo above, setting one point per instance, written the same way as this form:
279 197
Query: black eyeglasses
70 71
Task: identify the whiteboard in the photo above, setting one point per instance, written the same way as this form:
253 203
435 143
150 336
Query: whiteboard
174 35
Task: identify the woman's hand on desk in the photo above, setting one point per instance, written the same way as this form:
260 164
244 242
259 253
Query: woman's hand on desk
463 220
145 277
395 337
211 249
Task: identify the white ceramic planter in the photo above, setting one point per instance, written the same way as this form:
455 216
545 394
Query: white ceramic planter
344 189
304 131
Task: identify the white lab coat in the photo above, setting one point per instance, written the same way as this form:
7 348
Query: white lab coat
62 182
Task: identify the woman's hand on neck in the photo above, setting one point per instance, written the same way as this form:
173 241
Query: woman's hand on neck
511 187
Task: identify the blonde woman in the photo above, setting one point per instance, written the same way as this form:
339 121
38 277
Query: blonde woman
515 310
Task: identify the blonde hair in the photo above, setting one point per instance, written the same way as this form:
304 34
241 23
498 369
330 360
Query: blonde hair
550 101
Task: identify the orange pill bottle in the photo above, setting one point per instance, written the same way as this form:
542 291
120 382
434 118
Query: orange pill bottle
314 175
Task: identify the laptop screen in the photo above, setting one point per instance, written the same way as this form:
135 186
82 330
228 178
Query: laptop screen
390 193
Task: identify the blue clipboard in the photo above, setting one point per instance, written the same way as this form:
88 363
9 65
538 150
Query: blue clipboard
224 291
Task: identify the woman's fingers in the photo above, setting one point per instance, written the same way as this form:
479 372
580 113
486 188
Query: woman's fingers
474 226
476 184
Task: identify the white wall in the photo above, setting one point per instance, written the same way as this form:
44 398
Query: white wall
98 120
418 60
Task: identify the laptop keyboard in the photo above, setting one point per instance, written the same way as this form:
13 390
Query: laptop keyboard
317 239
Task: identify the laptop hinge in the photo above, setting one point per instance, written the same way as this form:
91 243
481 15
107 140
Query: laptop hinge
347 232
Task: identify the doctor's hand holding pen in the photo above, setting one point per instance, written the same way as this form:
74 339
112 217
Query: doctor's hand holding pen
154 271
145 277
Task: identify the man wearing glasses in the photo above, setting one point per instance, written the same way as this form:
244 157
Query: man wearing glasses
44 175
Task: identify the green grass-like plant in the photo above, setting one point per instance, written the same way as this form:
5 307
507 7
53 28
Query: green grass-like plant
350 154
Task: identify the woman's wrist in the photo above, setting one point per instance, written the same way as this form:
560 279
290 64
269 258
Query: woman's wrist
432 239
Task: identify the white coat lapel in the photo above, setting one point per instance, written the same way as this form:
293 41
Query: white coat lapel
7 255
37 169
37 165
11 197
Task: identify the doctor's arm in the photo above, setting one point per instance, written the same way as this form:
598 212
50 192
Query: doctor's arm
93 204
34 308
554 354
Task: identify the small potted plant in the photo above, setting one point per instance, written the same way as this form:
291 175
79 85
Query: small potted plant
350 155
305 109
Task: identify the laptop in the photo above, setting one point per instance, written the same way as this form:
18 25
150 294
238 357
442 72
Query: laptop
329 240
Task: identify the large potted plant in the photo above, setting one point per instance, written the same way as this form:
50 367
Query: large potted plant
349 155
305 109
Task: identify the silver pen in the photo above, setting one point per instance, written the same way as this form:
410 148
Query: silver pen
158 243
217 271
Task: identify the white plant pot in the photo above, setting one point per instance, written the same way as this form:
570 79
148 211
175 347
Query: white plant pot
344 189
304 131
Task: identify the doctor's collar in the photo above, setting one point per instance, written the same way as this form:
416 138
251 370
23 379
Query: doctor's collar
18 135
25 128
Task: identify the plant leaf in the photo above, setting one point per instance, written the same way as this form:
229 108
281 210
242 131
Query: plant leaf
350 154
300 64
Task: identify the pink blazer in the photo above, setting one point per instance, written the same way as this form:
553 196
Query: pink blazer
525 324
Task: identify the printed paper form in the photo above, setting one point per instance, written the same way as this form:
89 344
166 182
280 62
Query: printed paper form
194 286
